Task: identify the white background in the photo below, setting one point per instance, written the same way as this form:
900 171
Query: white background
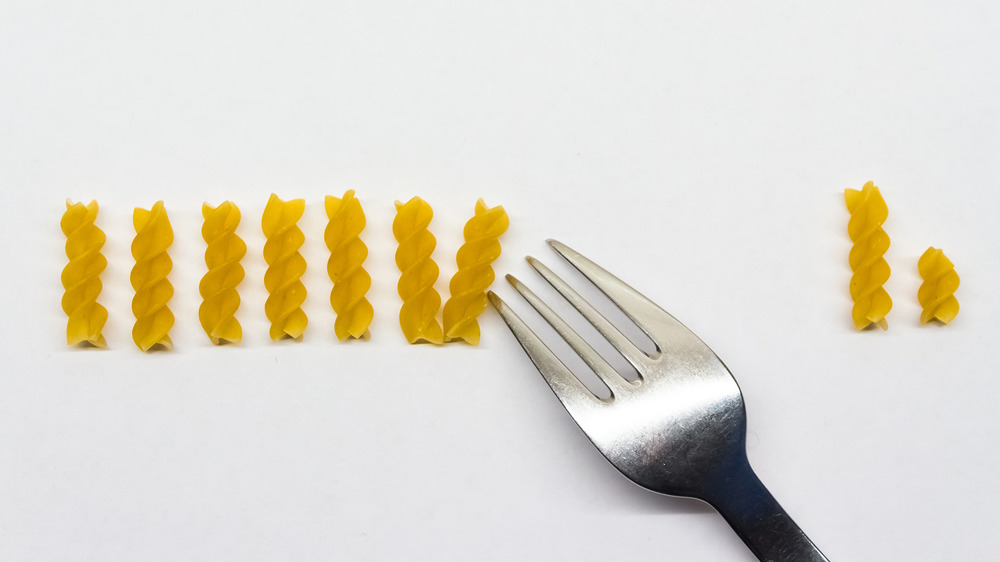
698 150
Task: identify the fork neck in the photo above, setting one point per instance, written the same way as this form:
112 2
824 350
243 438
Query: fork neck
758 518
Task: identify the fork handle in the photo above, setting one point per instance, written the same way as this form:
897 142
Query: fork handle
761 522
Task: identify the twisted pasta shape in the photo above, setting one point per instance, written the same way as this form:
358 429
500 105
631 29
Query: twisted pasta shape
418 272
153 320
285 267
475 273
81 278
220 300
937 292
345 267
871 271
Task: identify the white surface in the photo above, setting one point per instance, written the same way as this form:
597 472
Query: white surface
698 151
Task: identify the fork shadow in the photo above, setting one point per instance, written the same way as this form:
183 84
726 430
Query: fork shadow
618 492
632 498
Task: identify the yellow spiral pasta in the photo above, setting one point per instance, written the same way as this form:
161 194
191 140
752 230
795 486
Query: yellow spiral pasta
153 320
220 300
418 272
475 273
345 267
285 267
871 271
81 278
937 293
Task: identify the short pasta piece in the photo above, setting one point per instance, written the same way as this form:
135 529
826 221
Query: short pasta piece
418 272
81 278
285 267
218 288
475 273
153 291
937 292
346 266
868 212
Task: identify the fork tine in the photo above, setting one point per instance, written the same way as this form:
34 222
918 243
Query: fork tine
629 351
598 364
570 391
646 314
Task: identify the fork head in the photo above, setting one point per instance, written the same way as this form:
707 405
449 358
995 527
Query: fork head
680 429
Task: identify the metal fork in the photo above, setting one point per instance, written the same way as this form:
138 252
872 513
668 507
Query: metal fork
680 429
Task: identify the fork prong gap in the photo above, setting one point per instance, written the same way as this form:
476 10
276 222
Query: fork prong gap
625 369
594 360
629 305
611 333
547 333
567 387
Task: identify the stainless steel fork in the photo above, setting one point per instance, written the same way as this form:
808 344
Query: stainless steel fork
680 429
